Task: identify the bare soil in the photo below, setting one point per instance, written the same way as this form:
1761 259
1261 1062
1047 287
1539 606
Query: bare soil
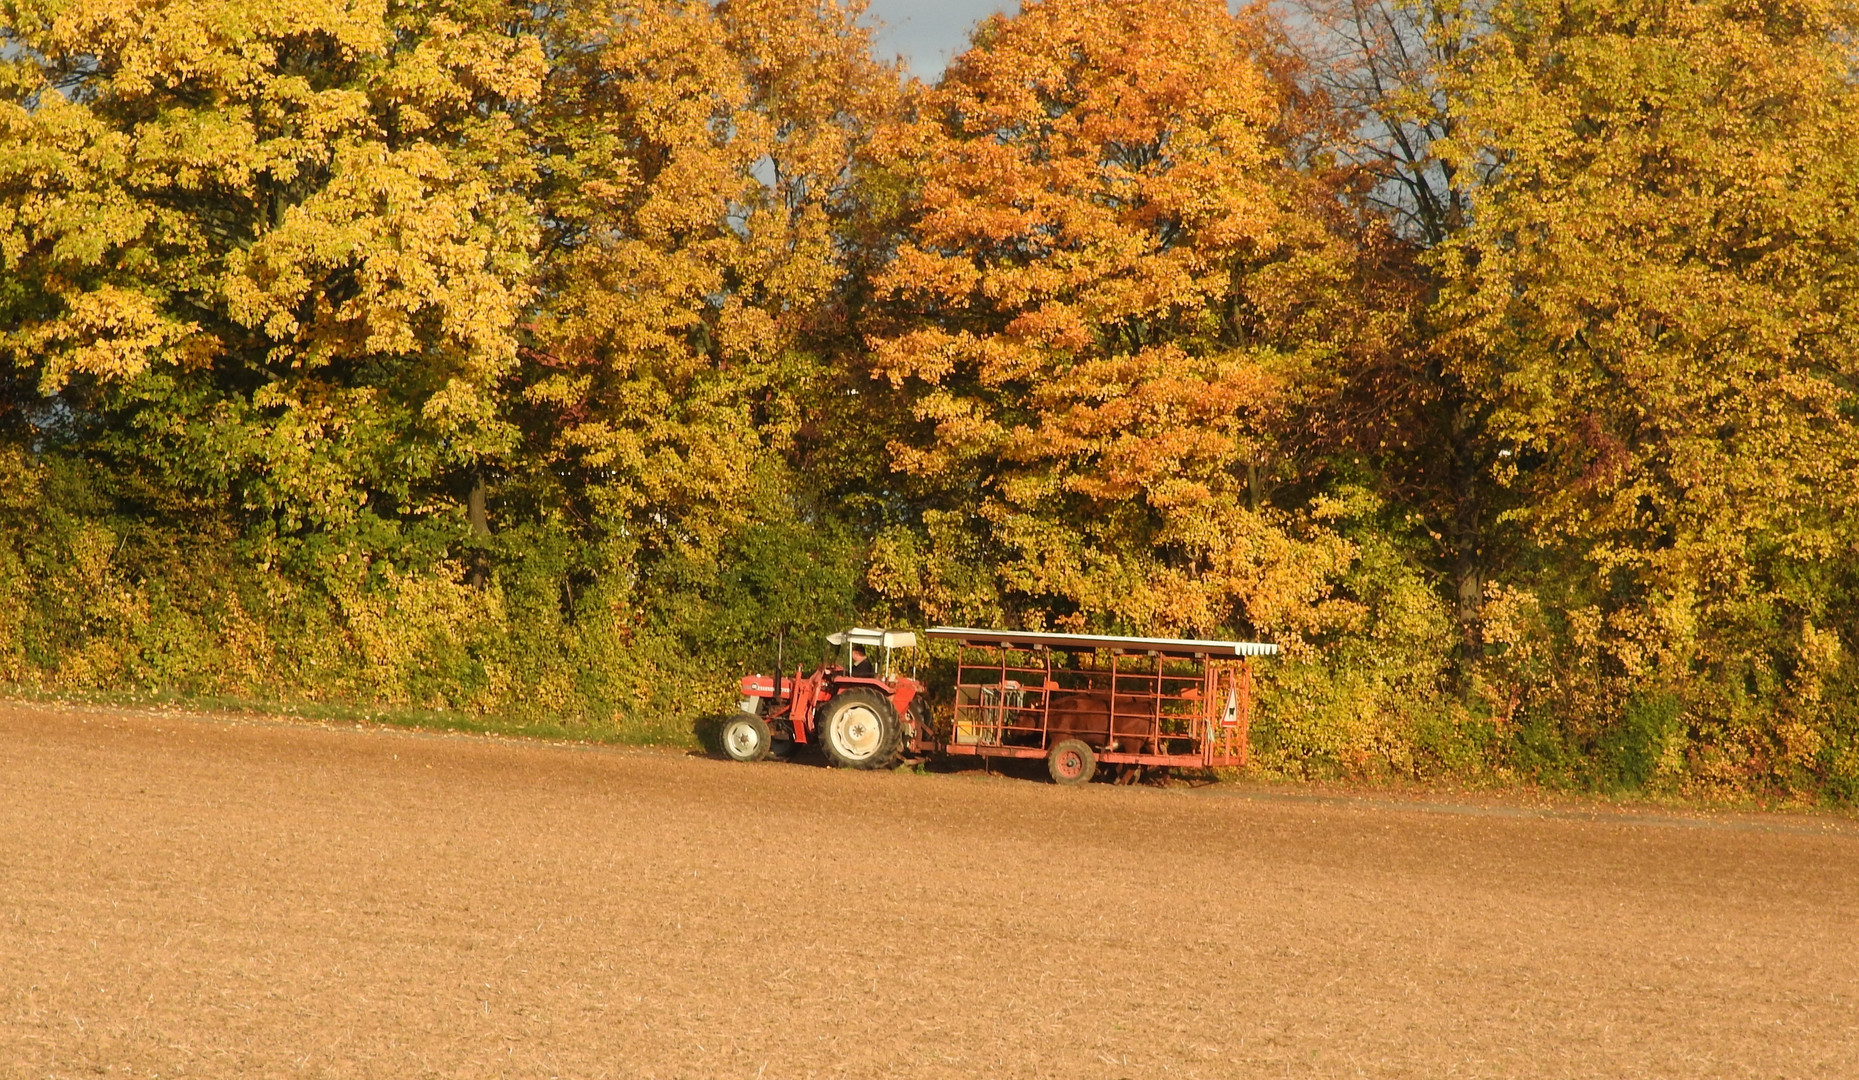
198 896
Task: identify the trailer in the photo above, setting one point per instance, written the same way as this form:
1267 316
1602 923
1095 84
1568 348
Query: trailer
1081 701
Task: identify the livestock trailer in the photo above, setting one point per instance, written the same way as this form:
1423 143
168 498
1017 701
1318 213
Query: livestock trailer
1080 700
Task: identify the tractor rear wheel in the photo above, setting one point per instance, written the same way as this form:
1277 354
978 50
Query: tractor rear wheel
1071 762
746 738
859 730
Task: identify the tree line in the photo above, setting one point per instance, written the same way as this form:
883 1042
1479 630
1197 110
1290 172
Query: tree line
546 362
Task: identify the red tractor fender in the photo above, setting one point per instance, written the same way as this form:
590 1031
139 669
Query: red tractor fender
807 695
900 693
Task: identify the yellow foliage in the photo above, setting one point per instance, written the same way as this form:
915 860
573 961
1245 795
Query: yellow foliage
1651 303
697 169
232 220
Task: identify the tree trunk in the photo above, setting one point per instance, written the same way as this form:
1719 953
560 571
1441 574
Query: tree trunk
1468 554
480 522
474 508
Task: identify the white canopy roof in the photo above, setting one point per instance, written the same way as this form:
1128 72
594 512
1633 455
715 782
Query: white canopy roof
890 639
1167 646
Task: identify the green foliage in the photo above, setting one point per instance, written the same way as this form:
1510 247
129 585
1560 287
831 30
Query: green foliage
100 601
1367 702
1631 752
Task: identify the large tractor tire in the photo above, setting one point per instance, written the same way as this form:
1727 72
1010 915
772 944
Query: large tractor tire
859 730
745 737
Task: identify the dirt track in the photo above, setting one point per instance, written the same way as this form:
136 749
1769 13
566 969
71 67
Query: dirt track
197 897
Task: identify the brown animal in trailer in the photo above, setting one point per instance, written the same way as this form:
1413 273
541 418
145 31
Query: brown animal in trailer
1079 700
1103 722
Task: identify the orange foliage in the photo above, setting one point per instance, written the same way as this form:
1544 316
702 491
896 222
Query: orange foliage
1101 307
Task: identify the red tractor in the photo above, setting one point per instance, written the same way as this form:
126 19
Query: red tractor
861 713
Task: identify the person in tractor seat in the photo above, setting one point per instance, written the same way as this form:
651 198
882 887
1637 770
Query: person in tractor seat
861 664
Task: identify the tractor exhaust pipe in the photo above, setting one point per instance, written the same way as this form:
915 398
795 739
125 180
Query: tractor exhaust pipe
780 643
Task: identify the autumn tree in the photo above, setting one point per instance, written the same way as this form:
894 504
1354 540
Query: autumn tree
1656 301
694 174
1111 289
267 258
1382 69
355 285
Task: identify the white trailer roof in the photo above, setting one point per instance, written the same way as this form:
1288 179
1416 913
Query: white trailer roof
1167 646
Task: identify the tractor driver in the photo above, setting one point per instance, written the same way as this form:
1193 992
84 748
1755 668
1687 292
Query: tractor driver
861 664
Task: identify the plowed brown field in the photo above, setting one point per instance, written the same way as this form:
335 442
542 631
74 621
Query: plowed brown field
212 897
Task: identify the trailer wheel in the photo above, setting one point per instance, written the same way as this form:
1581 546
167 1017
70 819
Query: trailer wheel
859 730
745 737
1071 762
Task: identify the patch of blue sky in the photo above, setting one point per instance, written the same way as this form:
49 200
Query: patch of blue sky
929 33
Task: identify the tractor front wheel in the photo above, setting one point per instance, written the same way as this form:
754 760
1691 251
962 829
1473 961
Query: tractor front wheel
859 730
746 738
1071 762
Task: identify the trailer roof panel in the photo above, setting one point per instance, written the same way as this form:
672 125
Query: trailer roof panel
968 635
